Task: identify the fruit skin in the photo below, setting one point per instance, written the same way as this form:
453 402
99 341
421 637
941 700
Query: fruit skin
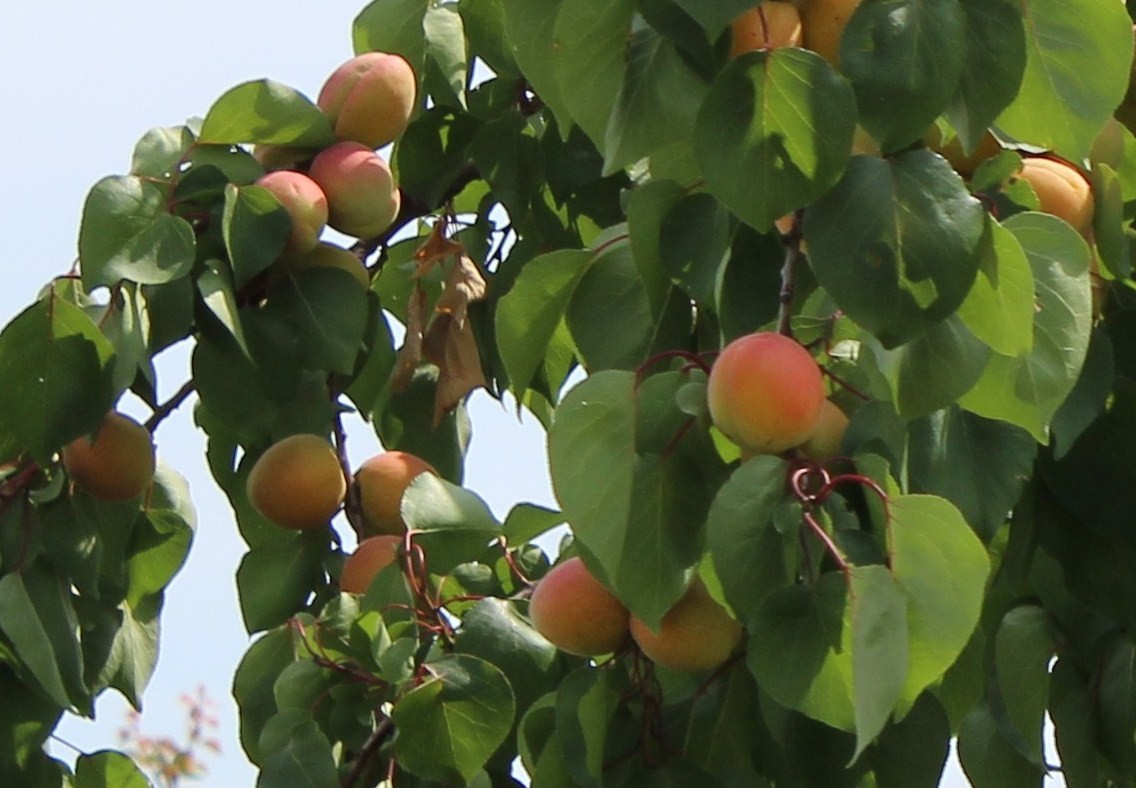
1062 191
696 635
326 255
823 22
361 196
765 393
372 556
380 482
297 483
369 99
576 613
118 465
962 162
781 27
305 203
824 443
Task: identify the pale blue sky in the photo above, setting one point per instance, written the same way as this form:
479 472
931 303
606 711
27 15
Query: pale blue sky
82 81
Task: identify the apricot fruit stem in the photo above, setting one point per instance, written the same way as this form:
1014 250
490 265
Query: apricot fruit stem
826 539
792 242
352 508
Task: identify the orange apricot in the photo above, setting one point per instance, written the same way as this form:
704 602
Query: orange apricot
771 25
696 634
369 99
381 481
372 556
326 255
826 439
1061 190
576 613
823 22
297 483
118 464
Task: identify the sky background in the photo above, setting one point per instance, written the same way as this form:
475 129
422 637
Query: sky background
81 83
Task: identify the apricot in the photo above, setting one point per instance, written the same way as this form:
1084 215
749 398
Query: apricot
765 393
576 613
361 196
823 22
369 99
771 25
1061 190
326 255
962 162
304 202
372 556
826 439
297 483
380 482
697 634
117 465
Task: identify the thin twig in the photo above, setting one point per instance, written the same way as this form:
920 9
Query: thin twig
169 406
370 747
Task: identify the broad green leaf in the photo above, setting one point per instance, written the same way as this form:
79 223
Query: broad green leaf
57 370
130 641
1115 698
941 568
723 727
714 17
126 233
774 133
158 152
531 25
275 579
125 321
392 26
896 243
657 102
27 718
591 43
1108 222
327 310
1071 704
526 521
999 307
38 619
508 157
587 707
215 285
159 548
267 113
977 464
1057 107
453 721
905 59
911 752
647 207
993 63
988 759
454 522
749 553
878 614
694 243
527 316
485 29
255 227
303 759
108 769
253 685
445 44
1023 647
1027 390
404 420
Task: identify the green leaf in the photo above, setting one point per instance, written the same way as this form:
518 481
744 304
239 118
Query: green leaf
274 579
445 44
912 752
451 723
896 243
694 243
749 553
392 26
531 25
528 315
941 567
126 233
1023 647
714 17
647 208
453 522
27 718
327 310
723 727
404 420
57 370
879 649
158 152
38 620
657 102
127 642
215 285
587 704
774 133
526 521
1056 106
591 42
1027 390
988 759
255 227
159 548
304 760
905 59
508 156
999 307
1115 698
267 113
1071 705
108 769
253 685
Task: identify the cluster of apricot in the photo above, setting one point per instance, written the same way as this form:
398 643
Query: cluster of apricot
298 483
347 186
817 25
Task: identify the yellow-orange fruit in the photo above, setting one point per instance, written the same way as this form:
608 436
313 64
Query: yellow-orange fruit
369 99
380 482
1061 190
118 464
697 634
326 255
770 25
823 22
765 393
962 162
297 483
372 556
825 441
304 202
576 613
361 196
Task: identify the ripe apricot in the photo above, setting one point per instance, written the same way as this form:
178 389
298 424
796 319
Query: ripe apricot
825 441
576 613
380 482
361 196
697 634
305 204
962 162
823 22
326 255
297 483
771 25
369 99
117 465
765 393
1061 190
372 556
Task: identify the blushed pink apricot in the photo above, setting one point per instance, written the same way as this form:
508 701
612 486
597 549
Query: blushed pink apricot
370 557
576 613
305 203
369 99
361 196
